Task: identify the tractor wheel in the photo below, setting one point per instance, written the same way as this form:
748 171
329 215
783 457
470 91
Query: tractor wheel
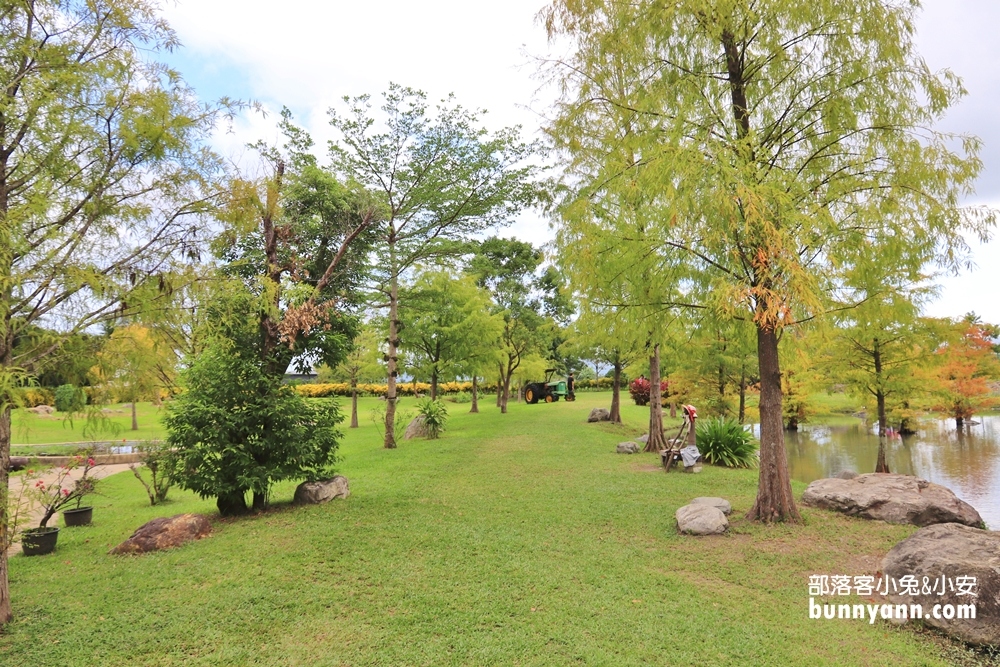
530 396
549 398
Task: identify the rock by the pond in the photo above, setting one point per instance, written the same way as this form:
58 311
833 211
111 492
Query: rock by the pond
324 490
846 474
721 503
701 519
891 498
416 429
165 533
952 551
627 448
599 415
19 463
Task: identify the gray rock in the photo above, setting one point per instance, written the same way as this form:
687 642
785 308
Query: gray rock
643 439
165 533
721 503
891 498
952 550
700 519
416 429
313 493
19 463
42 409
599 415
846 474
627 448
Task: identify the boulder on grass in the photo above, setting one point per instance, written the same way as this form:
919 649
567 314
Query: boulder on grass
951 551
19 463
846 474
416 429
165 533
599 415
643 439
324 490
627 448
42 409
701 519
891 498
721 503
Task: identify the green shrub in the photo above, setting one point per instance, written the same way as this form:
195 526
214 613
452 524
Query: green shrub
461 397
237 430
435 416
69 398
724 441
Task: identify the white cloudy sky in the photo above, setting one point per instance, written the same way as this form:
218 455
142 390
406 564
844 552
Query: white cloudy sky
307 54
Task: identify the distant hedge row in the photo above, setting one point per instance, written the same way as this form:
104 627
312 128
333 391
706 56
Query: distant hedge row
322 390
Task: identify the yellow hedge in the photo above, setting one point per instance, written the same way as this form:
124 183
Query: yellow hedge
403 388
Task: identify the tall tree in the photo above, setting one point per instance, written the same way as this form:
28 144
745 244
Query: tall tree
362 363
777 143
441 177
446 322
101 176
133 365
967 361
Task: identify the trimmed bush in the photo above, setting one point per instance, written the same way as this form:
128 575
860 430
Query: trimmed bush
69 398
639 390
723 441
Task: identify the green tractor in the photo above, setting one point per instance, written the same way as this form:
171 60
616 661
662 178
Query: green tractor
548 391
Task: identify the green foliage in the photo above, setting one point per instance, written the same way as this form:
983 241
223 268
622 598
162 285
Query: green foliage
435 416
724 441
69 398
461 398
238 429
160 464
400 420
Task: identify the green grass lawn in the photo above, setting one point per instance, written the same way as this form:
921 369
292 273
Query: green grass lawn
30 429
517 539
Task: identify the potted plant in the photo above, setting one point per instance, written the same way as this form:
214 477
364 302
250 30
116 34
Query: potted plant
52 497
81 516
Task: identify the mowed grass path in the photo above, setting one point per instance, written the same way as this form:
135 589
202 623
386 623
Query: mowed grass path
517 539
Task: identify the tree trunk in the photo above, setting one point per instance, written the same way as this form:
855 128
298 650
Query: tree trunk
259 501
743 395
616 401
505 394
959 422
354 403
135 420
673 409
656 440
774 488
475 394
881 465
500 388
6 361
390 394
434 379
232 504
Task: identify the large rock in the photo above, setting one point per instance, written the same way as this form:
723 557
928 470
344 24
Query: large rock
416 429
627 448
891 498
599 415
165 533
42 409
325 490
846 474
19 463
643 439
701 519
951 551
721 504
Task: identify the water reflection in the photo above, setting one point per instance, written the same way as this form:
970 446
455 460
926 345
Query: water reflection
967 462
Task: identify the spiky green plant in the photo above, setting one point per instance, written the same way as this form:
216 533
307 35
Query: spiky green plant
435 416
724 441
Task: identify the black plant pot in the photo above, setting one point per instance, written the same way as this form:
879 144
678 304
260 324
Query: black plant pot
39 541
80 516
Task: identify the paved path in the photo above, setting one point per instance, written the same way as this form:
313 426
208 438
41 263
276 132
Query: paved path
49 477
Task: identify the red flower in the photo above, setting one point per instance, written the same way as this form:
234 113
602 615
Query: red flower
65 492
90 462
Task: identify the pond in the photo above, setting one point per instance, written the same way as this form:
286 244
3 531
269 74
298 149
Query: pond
967 462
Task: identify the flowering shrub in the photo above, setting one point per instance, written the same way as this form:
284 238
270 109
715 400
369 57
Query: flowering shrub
63 490
639 390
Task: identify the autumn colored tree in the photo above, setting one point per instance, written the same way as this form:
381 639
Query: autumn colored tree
968 362
133 365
